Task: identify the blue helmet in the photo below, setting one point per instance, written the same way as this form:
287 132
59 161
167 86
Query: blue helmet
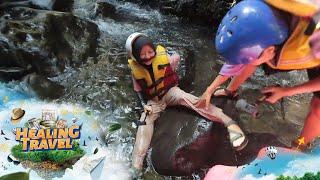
247 29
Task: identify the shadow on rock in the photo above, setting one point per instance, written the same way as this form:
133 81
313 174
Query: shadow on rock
183 143
214 148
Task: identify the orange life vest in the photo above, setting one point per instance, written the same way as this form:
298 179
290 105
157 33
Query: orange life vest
164 76
296 52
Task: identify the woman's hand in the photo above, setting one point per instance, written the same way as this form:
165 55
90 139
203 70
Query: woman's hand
276 93
205 98
147 109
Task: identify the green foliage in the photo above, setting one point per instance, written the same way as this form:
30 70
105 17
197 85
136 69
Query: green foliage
88 112
56 156
26 125
114 127
287 178
17 175
307 176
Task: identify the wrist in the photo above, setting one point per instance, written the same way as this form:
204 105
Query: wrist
210 90
288 91
140 96
232 88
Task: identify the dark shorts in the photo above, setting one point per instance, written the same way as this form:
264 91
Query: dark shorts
312 74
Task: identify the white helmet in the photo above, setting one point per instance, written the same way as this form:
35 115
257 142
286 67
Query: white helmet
129 42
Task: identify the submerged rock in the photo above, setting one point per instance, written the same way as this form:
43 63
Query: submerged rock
43 87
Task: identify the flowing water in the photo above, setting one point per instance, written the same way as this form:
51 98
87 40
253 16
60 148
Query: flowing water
104 85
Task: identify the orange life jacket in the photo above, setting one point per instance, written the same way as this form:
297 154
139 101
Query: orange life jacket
296 53
164 76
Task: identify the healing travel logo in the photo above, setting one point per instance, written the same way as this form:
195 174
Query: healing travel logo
47 133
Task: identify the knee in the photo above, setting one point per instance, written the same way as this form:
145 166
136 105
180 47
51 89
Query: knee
181 97
172 92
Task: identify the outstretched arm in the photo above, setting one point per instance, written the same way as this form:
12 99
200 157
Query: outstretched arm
308 87
242 77
280 92
206 96
235 83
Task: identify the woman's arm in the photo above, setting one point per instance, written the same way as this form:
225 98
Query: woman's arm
174 60
308 87
219 80
280 92
235 83
242 77
206 96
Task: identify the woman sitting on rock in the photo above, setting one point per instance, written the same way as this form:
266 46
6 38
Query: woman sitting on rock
155 81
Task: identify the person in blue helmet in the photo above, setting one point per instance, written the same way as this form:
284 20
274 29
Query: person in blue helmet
256 32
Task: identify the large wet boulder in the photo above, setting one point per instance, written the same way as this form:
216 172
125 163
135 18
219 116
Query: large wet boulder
44 41
105 9
184 142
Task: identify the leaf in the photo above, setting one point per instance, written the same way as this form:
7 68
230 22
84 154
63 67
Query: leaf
17 175
88 112
95 151
114 127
